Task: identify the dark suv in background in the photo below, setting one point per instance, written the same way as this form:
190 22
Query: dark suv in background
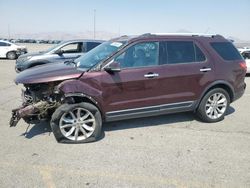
64 51
133 77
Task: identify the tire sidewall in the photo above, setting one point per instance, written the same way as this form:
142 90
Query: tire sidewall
11 57
201 112
68 107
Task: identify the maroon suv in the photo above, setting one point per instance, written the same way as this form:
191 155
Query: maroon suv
132 77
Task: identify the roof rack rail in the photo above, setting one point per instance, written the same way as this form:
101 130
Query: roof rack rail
181 34
145 35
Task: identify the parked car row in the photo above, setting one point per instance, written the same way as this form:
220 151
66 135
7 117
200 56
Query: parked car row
32 41
130 77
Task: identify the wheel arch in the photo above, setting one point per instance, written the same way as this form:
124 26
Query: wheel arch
15 51
81 97
81 91
218 84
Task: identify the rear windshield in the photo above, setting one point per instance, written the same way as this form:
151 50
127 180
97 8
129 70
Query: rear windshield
226 50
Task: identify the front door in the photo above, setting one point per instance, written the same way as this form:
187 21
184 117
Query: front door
136 85
70 51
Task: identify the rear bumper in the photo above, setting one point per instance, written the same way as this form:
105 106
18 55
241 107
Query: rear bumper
239 93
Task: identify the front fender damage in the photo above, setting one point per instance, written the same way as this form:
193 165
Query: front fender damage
71 88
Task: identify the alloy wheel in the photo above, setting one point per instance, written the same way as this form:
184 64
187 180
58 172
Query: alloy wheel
216 105
77 124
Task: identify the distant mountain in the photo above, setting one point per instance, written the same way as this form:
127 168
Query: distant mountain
66 35
235 39
239 43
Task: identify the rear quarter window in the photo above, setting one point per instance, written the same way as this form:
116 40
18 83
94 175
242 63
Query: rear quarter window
226 50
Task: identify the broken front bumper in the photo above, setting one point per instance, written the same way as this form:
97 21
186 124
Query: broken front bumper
26 111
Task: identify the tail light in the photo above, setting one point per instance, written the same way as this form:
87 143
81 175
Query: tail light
243 65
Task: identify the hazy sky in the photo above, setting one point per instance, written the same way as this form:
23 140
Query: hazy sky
226 17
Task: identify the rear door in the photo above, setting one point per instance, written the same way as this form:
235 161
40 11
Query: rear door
185 71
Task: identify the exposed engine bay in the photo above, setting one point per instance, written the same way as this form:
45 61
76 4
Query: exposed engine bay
39 102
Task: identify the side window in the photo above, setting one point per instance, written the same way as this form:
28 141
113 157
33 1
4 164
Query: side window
199 56
140 55
226 50
180 52
72 48
4 44
91 45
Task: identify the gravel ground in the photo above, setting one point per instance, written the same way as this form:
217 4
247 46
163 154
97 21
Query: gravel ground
165 151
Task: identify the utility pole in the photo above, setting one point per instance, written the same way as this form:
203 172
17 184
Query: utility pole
9 31
94 22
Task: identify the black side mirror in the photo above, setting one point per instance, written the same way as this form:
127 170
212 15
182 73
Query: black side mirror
113 67
59 52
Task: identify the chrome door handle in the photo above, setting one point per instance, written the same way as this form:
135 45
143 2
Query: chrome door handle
151 75
205 69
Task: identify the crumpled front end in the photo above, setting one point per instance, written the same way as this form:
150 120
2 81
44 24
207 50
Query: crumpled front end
39 102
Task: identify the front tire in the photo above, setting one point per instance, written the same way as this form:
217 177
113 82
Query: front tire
11 55
76 123
213 105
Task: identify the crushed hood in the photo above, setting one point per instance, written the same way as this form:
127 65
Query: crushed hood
48 73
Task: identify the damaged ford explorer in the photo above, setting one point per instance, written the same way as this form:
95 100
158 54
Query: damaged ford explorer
133 77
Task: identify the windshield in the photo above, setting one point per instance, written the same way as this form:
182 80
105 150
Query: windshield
98 54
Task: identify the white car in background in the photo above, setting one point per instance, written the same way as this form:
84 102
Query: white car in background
243 49
10 50
245 52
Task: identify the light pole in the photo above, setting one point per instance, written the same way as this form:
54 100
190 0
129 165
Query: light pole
94 22
9 31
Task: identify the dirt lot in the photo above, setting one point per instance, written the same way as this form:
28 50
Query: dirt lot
165 151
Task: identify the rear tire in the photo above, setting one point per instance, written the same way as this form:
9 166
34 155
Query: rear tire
76 123
11 55
213 105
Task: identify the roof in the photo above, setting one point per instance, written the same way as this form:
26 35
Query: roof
84 40
153 35
184 34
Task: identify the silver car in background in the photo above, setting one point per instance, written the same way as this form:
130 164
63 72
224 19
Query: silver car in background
64 51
